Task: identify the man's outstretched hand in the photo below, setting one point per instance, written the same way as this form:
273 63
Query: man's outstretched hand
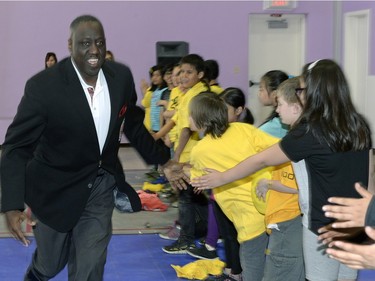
174 172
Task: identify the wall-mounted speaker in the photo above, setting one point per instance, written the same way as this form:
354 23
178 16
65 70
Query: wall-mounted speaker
171 51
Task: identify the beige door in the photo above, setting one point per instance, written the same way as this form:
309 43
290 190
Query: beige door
274 43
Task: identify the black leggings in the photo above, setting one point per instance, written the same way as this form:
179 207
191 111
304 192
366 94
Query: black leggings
229 234
192 214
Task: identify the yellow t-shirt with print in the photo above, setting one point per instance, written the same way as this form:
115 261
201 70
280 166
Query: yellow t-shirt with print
238 142
181 119
282 206
175 96
146 103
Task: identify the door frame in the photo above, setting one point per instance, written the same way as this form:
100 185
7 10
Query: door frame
356 55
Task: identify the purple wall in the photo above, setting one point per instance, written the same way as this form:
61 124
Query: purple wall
214 29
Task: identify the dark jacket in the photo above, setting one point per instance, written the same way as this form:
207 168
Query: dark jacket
51 153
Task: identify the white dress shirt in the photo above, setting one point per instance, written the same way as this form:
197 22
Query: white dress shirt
100 105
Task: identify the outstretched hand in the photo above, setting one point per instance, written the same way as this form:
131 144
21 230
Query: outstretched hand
350 212
175 174
209 181
354 255
14 220
327 234
262 189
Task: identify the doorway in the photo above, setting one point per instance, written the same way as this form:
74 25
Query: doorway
276 41
356 56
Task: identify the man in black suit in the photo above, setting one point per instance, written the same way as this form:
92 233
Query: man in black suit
60 156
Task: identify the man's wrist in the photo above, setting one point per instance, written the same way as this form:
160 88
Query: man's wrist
166 164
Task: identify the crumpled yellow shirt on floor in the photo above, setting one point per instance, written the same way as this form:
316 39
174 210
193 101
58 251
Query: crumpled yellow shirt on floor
199 269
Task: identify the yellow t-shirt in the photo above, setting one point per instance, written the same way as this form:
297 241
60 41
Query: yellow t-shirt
146 103
175 96
181 119
216 89
238 142
282 206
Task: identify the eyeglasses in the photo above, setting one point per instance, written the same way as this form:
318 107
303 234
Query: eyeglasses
298 92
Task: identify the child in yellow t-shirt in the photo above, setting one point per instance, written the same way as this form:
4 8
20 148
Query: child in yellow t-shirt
212 67
218 223
192 82
146 103
192 208
223 146
174 98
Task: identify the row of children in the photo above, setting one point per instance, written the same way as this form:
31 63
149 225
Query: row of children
282 219
330 145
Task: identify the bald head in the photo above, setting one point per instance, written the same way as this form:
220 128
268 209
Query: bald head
87 47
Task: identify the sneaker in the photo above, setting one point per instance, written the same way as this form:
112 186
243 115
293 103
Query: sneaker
223 277
178 247
172 234
202 241
202 253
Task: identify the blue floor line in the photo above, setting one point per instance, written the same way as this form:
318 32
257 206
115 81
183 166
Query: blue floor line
138 257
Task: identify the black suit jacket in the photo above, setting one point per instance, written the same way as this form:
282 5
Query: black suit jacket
51 153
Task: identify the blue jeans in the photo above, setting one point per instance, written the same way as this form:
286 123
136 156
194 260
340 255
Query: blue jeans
252 256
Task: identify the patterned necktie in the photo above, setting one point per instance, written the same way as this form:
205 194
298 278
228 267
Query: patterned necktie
91 92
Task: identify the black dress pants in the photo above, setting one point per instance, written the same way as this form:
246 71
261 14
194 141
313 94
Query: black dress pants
84 248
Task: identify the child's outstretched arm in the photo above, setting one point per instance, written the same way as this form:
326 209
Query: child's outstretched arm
272 156
264 185
183 140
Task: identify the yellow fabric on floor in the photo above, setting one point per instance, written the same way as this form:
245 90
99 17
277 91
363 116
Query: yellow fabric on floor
199 269
152 187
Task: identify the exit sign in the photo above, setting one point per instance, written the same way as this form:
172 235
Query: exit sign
279 4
